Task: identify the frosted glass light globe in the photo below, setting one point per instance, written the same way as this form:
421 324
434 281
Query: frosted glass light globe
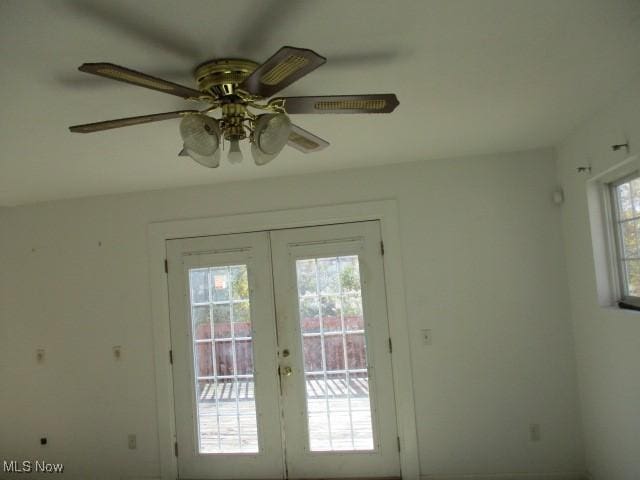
200 134
270 135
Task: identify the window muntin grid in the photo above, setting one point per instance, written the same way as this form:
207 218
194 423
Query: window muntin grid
223 360
625 195
334 354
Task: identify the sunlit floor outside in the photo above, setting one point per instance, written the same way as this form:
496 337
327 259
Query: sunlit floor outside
340 420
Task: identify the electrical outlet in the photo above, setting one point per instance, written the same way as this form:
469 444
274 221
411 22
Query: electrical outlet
426 336
534 432
132 441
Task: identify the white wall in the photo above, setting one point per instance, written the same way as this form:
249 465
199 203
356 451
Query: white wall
607 339
483 269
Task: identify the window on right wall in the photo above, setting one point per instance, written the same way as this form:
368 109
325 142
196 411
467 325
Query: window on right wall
625 216
613 198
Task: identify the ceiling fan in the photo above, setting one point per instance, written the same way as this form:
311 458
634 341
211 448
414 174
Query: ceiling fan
242 90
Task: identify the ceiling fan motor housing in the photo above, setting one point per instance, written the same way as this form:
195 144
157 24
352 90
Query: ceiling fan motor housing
221 77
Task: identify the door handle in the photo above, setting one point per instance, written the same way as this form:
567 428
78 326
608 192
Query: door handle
286 371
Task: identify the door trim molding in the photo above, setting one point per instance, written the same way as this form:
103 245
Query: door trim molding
383 210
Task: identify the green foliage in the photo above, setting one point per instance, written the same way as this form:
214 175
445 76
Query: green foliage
239 283
240 289
350 278
332 281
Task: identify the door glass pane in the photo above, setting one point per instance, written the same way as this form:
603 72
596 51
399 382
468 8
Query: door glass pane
334 354
223 360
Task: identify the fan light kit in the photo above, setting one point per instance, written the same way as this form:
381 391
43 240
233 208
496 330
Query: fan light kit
241 89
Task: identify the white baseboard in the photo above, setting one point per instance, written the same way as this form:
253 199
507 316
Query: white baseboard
510 476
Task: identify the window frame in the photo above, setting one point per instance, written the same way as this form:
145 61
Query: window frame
612 206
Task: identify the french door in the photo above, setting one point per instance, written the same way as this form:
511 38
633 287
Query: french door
281 359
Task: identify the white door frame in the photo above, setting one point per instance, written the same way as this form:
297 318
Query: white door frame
384 210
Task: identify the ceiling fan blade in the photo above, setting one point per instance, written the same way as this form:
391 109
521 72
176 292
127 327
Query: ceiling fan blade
122 74
126 122
281 70
75 81
305 141
374 103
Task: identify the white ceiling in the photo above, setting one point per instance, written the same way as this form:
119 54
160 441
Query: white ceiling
472 76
